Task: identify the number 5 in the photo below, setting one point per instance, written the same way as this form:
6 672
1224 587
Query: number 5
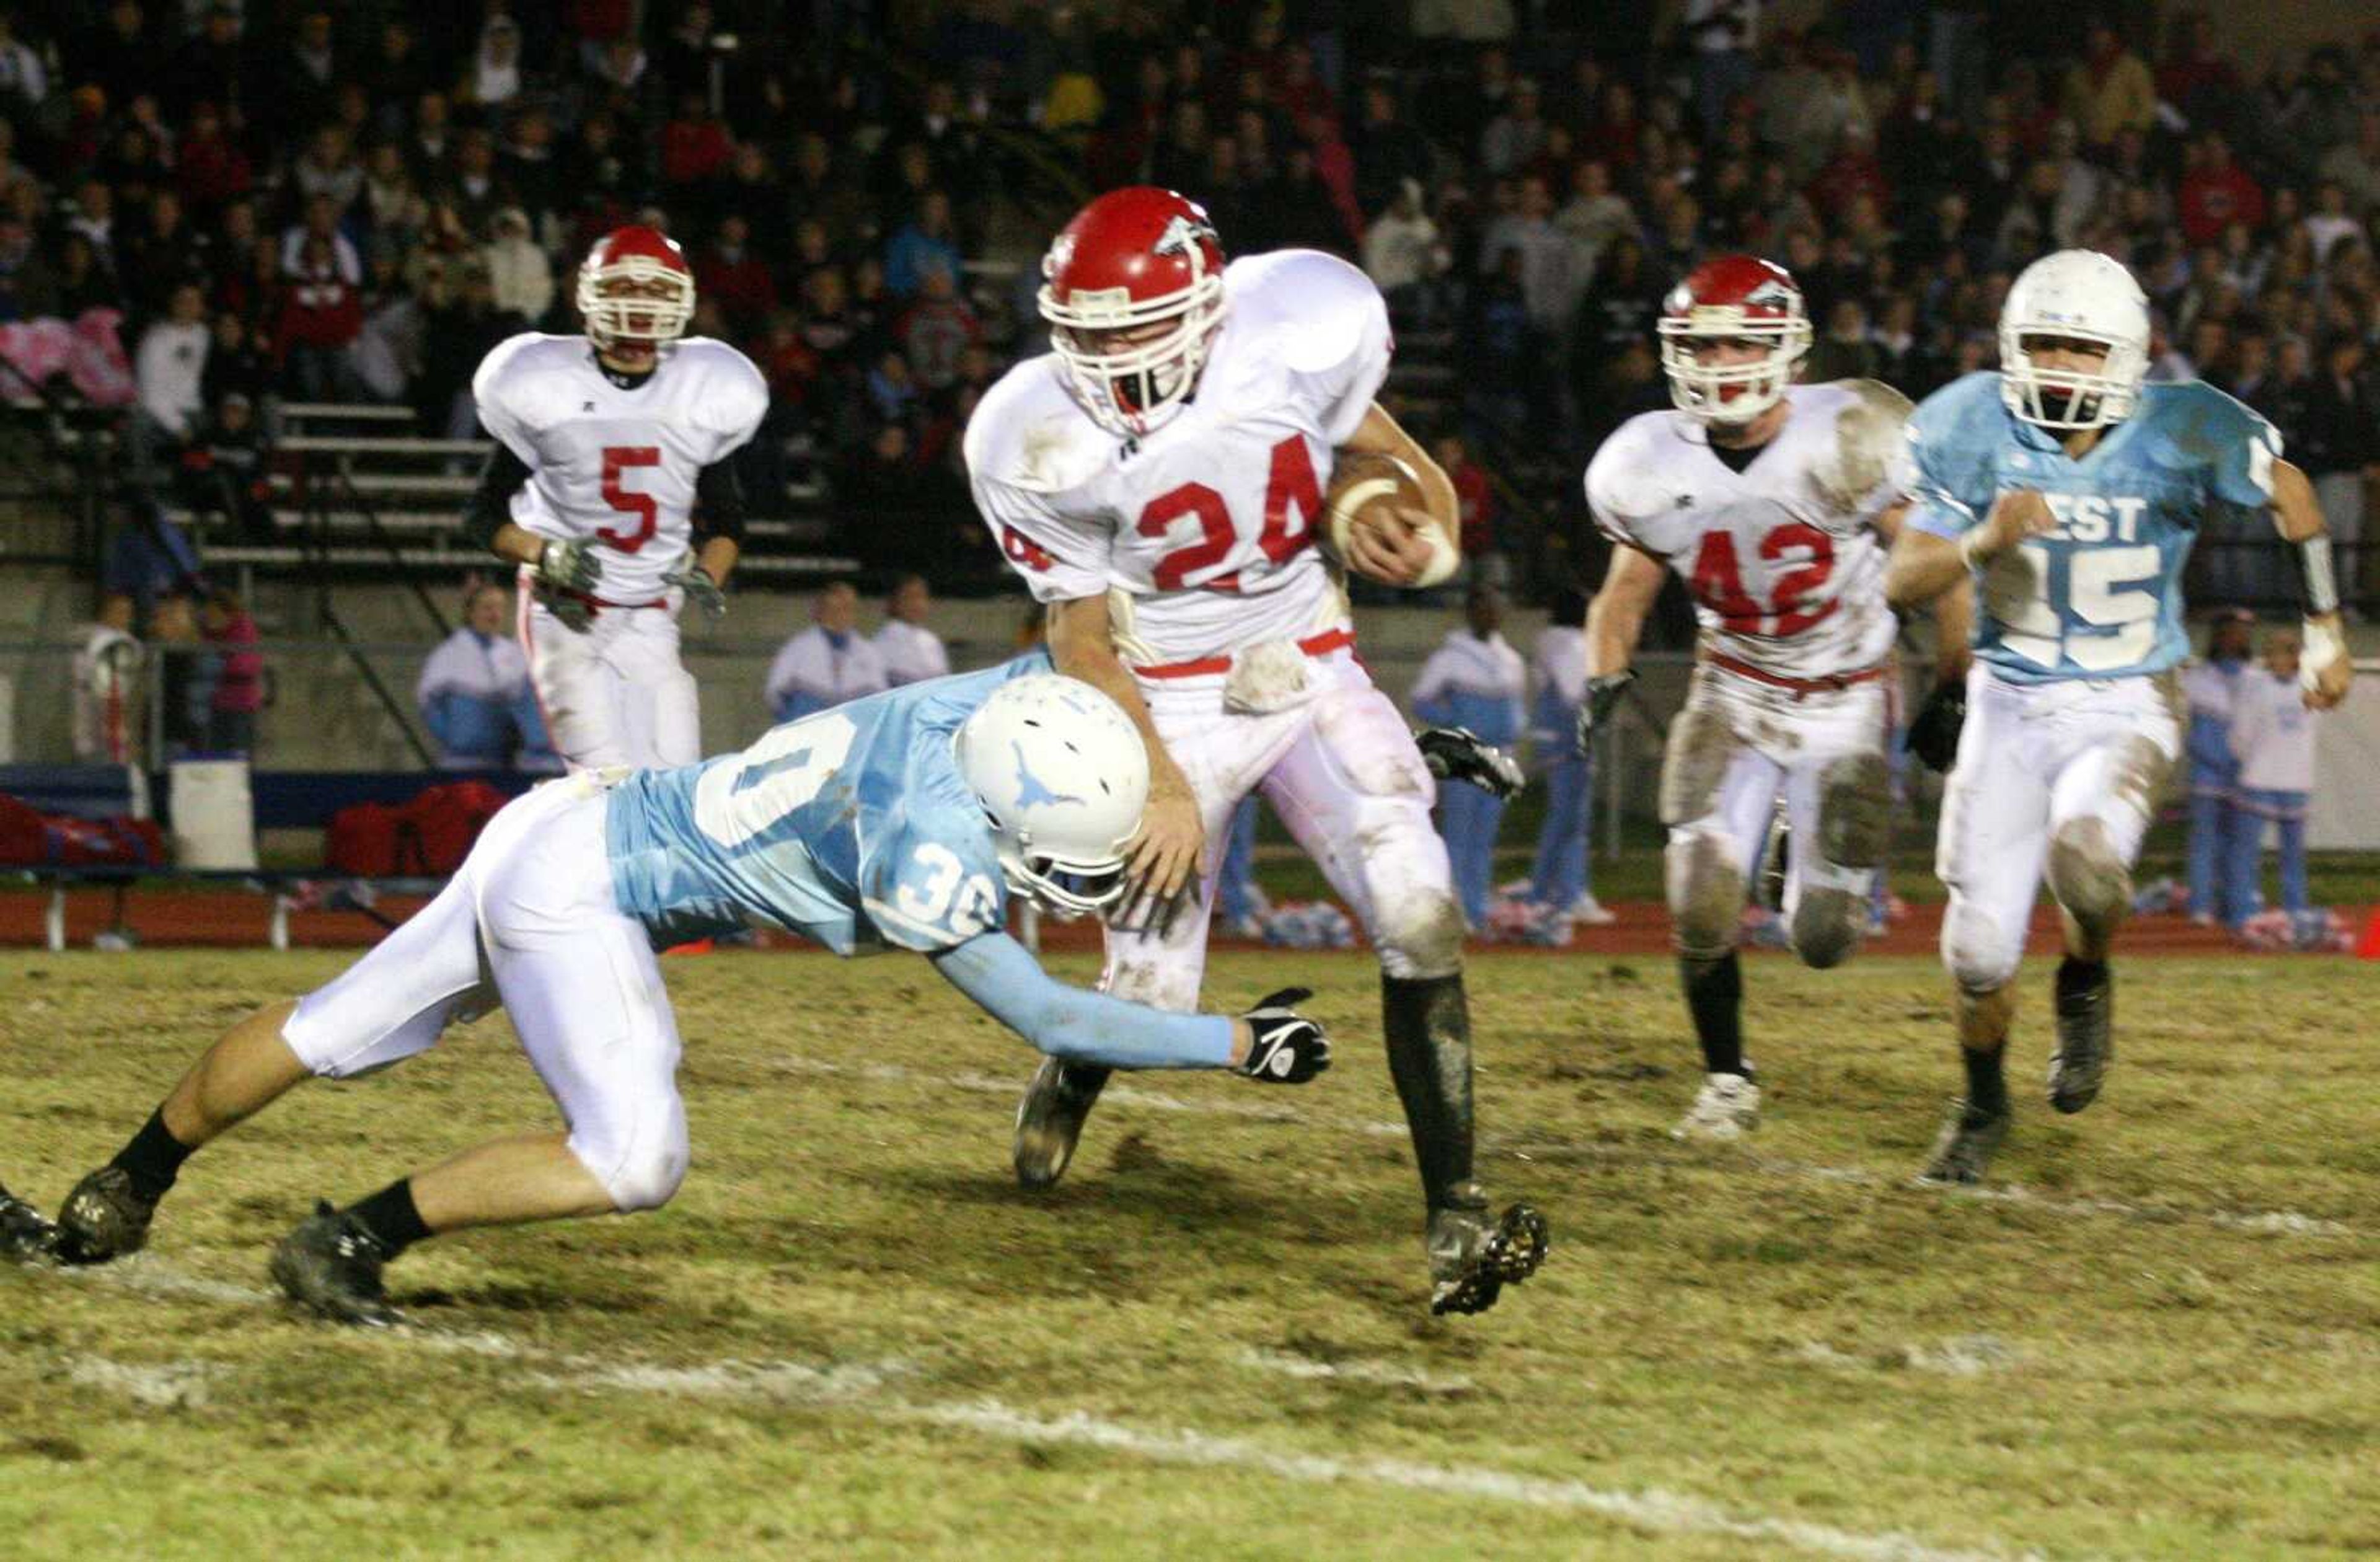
616 459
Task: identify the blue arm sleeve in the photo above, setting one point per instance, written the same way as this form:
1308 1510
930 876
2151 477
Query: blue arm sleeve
1070 1022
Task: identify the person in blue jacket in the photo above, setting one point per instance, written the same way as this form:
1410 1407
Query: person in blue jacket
2210 686
1474 681
1563 878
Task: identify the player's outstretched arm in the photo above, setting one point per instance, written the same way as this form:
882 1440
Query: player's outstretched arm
2326 670
1162 858
1273 1042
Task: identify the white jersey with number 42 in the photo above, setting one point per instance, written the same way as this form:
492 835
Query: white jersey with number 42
1207 526
617 465
1784 560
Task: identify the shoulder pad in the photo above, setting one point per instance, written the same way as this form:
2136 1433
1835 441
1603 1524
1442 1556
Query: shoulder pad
735 396
523 376
1623 481
1028 433
1312 306
1869 444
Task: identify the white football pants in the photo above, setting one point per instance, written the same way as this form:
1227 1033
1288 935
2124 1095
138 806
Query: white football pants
616 694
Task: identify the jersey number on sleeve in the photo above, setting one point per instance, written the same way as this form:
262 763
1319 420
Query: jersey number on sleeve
616 459
1719 584
1292 498
948 891
735 800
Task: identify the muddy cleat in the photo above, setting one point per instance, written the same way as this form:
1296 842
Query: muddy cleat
1472 1259
2086 1033
330 1266
25 1232
1965 1147
105 1217
1050 1119
1726 1109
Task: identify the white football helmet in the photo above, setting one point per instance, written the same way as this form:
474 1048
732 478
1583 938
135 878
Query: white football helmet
1063 776
2084 296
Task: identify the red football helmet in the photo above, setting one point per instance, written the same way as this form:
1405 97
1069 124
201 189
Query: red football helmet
636 288
1133 292
1734 298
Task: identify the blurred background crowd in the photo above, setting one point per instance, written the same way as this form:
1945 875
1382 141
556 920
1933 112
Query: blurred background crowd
355 201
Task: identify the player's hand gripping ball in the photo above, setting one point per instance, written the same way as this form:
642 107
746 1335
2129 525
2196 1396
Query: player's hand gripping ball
1376 524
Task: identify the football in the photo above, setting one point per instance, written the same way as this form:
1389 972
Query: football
1368 481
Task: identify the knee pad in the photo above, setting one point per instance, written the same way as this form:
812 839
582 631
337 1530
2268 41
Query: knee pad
1980 955
1827 926
1855 810
1420 934
1706 894
644 1172
2087 874
1702 745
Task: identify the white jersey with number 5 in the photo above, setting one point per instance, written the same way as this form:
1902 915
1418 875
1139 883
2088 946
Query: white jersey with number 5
1205 528
613 464
1782 557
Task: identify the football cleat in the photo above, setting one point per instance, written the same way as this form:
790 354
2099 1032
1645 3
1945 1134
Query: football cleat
1727 1107
330 1266
25 1232
1472 1259
2086 1034
105 1217
1965 1147
1050 1119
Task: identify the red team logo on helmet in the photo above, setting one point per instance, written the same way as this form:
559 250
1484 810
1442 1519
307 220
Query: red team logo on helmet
1734 298
1134 293
636 288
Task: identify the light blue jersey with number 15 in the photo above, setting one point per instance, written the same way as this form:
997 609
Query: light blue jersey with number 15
2100 597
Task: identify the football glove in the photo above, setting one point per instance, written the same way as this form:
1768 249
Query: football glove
700 590
576 612
1457 753
1602 697
568 564
1934 736
1284 1047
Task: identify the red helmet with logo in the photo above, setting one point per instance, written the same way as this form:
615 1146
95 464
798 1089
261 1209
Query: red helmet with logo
1738 299
1133 291
635 287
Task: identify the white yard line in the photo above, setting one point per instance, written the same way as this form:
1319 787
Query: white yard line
1386 1375
2276 1223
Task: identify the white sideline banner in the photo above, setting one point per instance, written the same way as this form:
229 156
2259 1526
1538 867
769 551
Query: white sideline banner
2344 814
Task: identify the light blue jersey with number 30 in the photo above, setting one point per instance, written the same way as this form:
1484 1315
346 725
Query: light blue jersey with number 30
851 827
2100 597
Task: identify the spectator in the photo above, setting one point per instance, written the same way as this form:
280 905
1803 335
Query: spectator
475 696
936 331
2337 440
1594 214
2355 166
739 280
1475 500
827 663
2216 191
237 689
2211 687
1240 903
224 471
321 317
1550 275
1387 150
1514 137
2273 738
520 277
186 677
494 76
1561 879
927 242
171 365
911 652
1403 256
1845 351
108 663
2111 90
1474 680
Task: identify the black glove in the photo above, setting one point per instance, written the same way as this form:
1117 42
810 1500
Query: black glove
1602 696
1286 1048
1934 736
1457 753
568 564
700 590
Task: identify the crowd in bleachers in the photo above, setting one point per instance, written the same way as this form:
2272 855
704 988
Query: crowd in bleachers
358 201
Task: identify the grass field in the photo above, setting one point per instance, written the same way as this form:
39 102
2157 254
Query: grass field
2156 1337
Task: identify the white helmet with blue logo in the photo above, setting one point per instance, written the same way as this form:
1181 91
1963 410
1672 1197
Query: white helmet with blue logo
2077 296
1063 776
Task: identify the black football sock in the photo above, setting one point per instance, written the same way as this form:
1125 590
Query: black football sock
1427 1024
1715 997
153 1158
391 1218
1986 1085
2075 975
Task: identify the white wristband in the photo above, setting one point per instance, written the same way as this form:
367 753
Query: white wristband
2324 645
